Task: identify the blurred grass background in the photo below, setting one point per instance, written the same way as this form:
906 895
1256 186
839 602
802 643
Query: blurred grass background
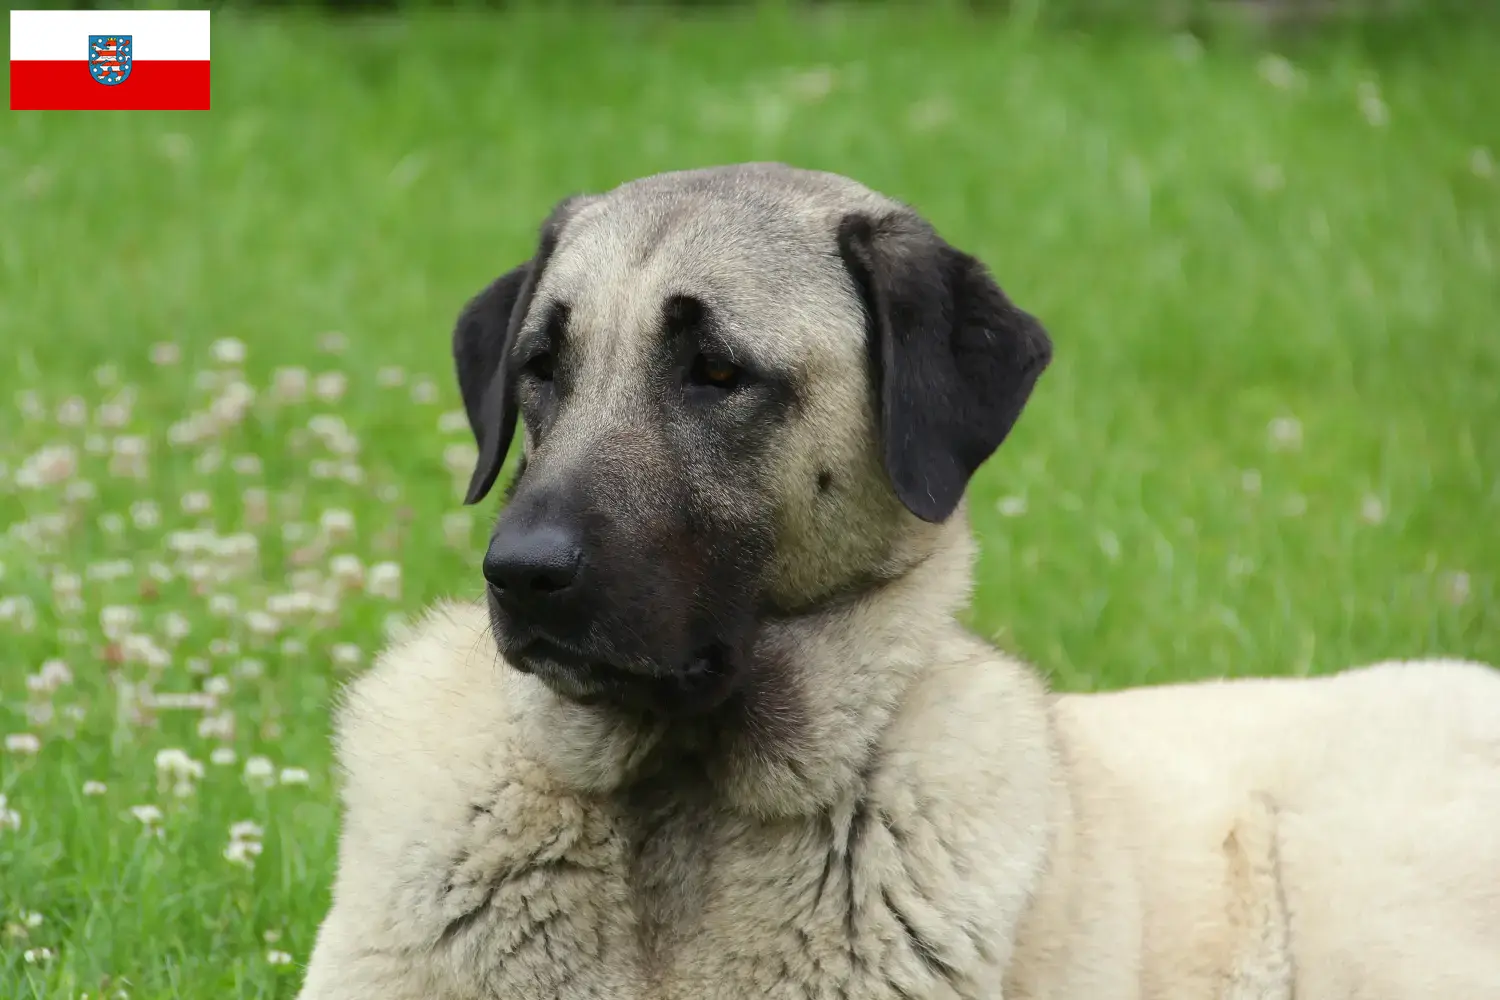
1270 443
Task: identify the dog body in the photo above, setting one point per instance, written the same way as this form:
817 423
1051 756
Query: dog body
716 731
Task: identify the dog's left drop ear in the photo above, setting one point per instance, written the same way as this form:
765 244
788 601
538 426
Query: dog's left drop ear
954 360
482 338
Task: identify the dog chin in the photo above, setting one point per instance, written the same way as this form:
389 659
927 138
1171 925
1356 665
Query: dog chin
700 685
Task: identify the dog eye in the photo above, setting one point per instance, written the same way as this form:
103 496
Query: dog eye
540 367
716 372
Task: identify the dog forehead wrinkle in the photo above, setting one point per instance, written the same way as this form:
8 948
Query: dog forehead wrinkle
743 268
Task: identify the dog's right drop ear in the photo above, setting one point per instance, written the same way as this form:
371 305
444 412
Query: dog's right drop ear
482 339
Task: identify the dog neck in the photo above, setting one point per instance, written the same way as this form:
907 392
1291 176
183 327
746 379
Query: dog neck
803 732
828 682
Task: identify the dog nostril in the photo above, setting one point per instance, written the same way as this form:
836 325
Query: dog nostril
549 579
532 562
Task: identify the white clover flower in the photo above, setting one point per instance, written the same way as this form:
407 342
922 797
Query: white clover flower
1456 587
259 771
1372 105
72 412
333 342
1285 433
424 391
165 353
347 570
231 404
80 491
111 569
395 626
1011 506
453 422
176 764
93 788
1278 72
345 655
37 956
229 351
175 626
274 957
337 525
330 386
53 674
9 818
22 744
384 580
113 414
294 776
262 623
257 506
1482 162
390 377
196 502
117 619
242 852
246 465
458 527
459 458
147 815
219 726
145 515
47 467
290 384
208 461
246 829
222 756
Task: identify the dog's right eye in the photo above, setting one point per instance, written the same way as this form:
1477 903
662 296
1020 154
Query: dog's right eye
713 372
540 367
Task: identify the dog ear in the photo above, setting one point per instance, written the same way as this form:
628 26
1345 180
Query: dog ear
954 361
482 339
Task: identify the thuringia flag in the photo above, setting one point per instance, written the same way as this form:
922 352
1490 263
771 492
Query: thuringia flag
128 60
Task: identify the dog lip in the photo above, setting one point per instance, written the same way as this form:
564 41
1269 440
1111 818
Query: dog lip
537 649
700 683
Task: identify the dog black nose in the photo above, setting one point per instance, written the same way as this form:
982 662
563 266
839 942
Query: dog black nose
526 563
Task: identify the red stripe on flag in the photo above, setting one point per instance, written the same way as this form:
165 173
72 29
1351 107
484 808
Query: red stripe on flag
67 85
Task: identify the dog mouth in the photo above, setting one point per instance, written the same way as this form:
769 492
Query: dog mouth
700 683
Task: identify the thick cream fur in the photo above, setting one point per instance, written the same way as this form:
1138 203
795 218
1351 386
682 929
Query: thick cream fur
1266 839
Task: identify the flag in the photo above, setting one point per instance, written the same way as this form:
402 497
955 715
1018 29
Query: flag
127 60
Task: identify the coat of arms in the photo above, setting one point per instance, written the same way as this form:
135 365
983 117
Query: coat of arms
109 58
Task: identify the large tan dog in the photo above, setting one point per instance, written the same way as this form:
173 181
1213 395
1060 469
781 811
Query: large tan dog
715 731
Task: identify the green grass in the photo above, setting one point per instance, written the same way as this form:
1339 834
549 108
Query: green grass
1213 253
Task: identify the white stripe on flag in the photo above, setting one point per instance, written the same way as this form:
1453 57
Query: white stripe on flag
64 34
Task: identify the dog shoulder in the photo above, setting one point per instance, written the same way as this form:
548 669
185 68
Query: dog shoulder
969 780
431 708
455 824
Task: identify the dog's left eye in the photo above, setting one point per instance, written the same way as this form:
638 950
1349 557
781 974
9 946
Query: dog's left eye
714 372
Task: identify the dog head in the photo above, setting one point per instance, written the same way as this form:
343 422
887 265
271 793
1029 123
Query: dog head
746 392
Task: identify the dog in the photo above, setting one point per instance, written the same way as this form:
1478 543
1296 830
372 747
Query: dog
714 731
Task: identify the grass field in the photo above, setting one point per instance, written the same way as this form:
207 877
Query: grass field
1270 442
